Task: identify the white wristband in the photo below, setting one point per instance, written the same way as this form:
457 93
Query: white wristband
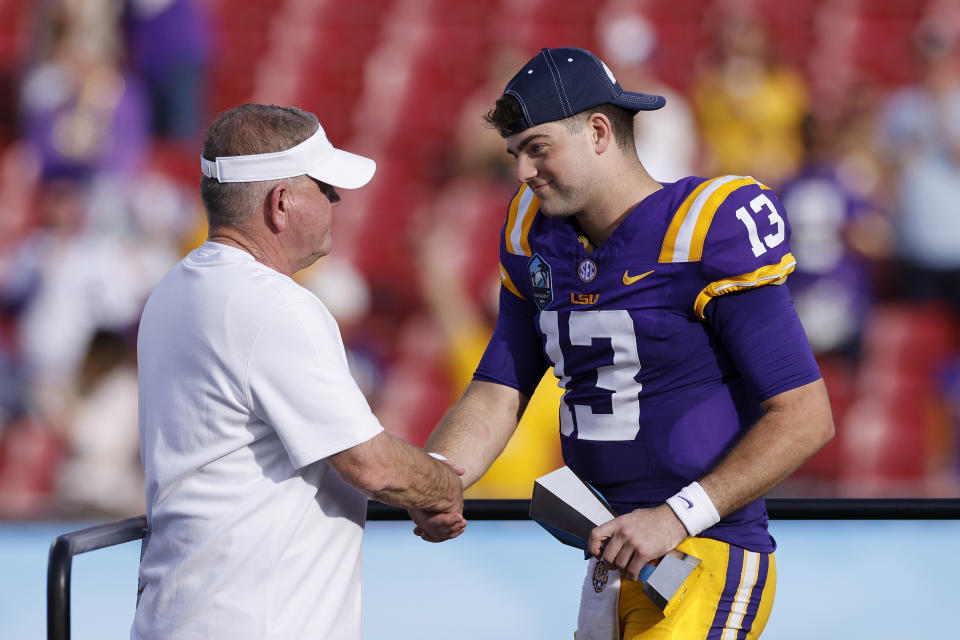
438 456
694 508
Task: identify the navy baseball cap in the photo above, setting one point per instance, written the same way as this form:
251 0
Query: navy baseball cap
557 83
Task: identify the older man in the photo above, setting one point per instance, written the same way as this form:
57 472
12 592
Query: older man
258 447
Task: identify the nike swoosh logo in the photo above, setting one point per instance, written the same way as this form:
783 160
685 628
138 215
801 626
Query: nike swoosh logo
689 504
628 279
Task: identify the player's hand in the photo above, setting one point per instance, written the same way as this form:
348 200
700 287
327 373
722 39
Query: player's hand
437 527
634 539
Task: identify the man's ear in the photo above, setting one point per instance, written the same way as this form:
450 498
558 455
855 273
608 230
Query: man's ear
601 131
278 204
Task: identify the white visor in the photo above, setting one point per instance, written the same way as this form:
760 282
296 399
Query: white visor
315 157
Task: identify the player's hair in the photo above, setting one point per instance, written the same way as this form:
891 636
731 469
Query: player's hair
507 110
244 130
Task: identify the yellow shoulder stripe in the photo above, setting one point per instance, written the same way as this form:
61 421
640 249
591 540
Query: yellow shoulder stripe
771 274
523 209
670 240
508 283
688 228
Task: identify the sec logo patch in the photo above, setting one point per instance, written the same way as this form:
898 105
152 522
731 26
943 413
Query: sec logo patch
587 270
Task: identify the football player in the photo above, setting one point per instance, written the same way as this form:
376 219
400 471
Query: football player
690 389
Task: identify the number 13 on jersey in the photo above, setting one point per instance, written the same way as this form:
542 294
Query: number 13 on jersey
623 422
760 204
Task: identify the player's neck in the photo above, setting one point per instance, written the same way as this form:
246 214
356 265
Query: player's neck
615 199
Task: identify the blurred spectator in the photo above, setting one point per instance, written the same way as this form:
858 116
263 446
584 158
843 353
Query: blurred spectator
920 139
44 354
666 139
481 152
921 131
101 472
835 234
749 106
72 278
81 112
169 43
94 229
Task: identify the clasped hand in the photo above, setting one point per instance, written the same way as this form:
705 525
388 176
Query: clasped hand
434 526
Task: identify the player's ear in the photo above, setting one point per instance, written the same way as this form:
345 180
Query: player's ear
278 206
601 132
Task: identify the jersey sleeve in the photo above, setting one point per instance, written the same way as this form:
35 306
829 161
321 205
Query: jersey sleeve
514 356
761 331
737 230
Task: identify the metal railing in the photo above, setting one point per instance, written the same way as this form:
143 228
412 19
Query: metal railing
66 546
777 508
61 561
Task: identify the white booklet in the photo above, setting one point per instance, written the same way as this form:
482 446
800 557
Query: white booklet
567 507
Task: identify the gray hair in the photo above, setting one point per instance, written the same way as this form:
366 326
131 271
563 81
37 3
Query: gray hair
245 130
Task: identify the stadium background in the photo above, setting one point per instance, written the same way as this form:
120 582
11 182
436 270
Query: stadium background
102 107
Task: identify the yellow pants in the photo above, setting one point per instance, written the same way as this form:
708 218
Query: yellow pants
729 598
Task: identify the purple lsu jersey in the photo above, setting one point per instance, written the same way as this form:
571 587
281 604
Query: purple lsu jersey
652 399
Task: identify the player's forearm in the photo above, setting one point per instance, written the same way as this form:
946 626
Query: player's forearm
389 469
796 424
476 429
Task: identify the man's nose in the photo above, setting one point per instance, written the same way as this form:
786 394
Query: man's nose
525 169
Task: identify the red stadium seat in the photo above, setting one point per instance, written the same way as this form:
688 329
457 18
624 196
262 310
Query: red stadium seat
889 432
353 14
676 10
883 49
824 468
242 29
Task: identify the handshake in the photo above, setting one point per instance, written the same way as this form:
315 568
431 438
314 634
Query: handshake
434 525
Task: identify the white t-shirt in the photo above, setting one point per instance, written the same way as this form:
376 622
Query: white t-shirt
244 390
